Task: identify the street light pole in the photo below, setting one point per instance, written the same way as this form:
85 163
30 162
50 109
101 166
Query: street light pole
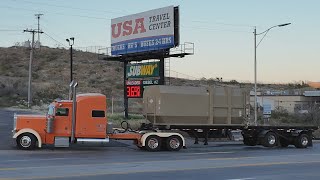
255 75
71 62
71 56
255 63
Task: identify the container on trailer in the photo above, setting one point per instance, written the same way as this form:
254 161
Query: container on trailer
183 105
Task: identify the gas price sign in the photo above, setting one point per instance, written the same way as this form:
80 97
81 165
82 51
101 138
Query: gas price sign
134 91
135 87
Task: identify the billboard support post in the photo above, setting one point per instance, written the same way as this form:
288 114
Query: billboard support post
161 71
125 100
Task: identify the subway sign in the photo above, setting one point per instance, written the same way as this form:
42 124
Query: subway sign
142 70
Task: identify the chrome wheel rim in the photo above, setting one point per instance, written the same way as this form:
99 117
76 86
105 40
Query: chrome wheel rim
304 141
25 141
174 143
272 140
153 143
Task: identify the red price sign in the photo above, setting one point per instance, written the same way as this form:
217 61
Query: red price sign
134 91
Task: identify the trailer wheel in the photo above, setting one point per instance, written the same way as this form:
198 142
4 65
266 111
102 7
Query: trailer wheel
302 141
26 141
270 140
153 143
250 141
174 143
284 142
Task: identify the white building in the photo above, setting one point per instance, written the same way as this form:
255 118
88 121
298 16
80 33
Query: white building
292 103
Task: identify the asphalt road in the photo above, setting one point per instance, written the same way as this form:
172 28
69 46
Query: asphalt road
220 160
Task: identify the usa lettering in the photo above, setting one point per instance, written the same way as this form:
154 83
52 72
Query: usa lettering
128 27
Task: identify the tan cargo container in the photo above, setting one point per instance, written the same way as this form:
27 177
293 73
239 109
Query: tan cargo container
183 105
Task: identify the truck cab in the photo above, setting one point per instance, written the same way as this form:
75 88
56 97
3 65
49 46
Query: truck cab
57 126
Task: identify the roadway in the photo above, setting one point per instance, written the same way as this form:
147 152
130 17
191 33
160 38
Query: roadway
121 160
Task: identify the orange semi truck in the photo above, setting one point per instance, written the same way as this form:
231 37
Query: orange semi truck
82 120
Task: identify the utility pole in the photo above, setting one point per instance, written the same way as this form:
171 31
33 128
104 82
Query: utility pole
30 63
38 17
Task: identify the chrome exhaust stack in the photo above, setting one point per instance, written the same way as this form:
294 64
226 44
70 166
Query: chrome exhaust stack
73 86
70 89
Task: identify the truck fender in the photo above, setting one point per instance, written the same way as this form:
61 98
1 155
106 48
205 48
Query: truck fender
263 133
31 131
297 132
161 135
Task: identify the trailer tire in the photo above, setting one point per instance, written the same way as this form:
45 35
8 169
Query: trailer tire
250 141
302 141
270 139
153 143
26 141
174 143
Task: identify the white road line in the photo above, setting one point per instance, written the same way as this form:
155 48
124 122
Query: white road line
21 160
242 179
211 153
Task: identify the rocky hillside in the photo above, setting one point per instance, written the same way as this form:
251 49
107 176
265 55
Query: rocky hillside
51 74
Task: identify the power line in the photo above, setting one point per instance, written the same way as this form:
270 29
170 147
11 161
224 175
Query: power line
224 24
54 39
9 30
59 35
56 13
214 29
68 7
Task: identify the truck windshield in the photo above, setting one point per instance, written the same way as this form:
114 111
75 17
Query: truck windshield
51 110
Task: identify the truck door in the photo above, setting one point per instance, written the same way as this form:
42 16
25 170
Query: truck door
62 121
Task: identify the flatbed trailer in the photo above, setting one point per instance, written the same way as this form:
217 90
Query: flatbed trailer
211 112
266 135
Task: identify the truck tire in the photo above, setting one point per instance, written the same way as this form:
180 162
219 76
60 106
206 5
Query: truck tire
302 141
26 141
270 139
284 142
153 143
250 141
174 143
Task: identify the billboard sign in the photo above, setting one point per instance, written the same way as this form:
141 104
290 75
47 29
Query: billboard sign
146 31
143 70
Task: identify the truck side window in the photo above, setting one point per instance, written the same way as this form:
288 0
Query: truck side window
62 112
98 113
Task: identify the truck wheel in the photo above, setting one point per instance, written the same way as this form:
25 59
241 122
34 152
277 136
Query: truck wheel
302 141
270 140
174 143
26 141
153 143
249 141
284 142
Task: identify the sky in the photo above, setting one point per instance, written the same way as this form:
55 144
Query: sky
222 33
